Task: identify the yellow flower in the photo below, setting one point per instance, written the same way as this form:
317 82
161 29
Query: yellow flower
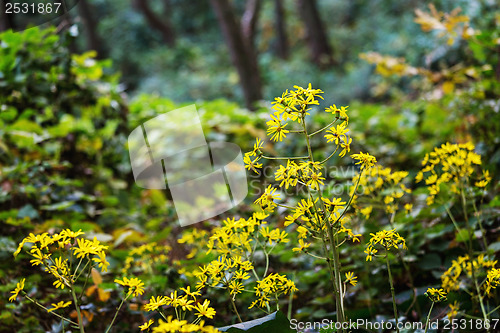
366 160
370 252
235 287
204 309
350 278
102 262
436 295
190 293
341 113
59 305
154 304
175 325
346 147
453 310
388 239
266 200
408 208
315 180
86 247
302 246
17 290
275 128
252 165
183 303
338 134
71 234
146 325
493 280
136 286
366 211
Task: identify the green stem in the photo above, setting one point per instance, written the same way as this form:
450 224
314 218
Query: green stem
498 307
284 158
454 221
408 273
392 289
471 249
235 309
52 312
481 303
76 269
479 220
116 314
428 318
290 301
330 156
80 320
85 284
324 128
335 273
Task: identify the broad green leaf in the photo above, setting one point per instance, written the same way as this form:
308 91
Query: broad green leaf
275 322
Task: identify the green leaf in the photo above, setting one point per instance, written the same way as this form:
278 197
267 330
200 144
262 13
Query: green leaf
462 235
275 322
430 261
58 206
28 211
495 247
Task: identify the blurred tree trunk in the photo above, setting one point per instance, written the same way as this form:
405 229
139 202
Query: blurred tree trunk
94 42
162 25
319 48
6 20
240 41
249 21
282 49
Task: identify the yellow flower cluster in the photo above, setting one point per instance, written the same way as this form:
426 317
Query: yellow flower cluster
379 184
224 272
365 159
436 295
388 239
186 302
197 238
387 65
266 200
293 105
447 23
175 325
145 257
450 280
492 280
44 247
450 163
453 310
254 164
306 172
272 285
135 285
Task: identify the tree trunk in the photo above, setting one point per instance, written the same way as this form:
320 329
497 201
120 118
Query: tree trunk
242 52
282 48
94 42
157 23
249 21
320 50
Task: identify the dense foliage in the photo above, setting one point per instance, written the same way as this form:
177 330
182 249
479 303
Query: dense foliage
386 209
